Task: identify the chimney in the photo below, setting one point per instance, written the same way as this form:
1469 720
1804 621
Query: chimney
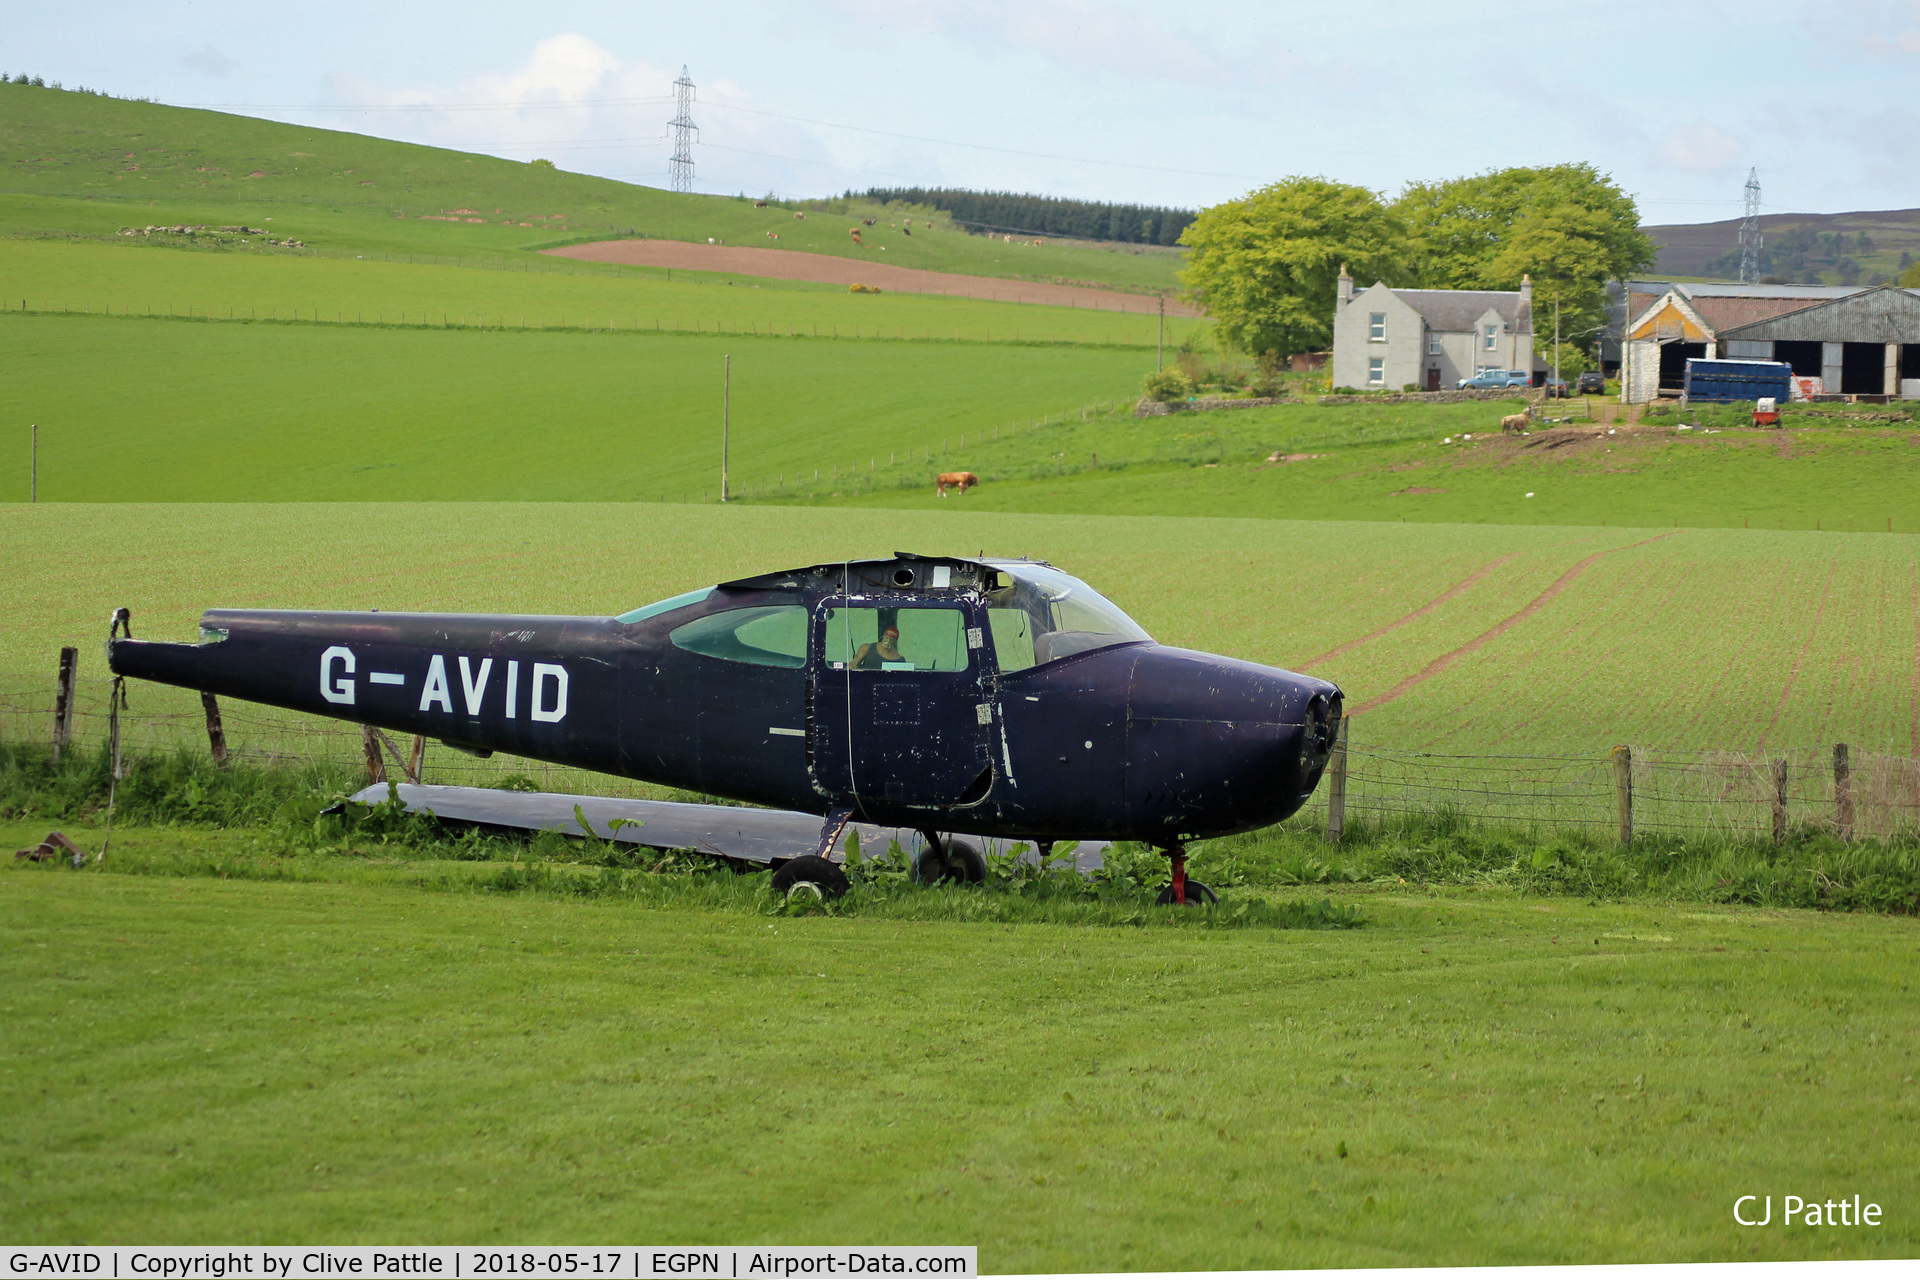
1526 289
1345 294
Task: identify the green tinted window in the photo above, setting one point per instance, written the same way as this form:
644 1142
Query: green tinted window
768 636
908 639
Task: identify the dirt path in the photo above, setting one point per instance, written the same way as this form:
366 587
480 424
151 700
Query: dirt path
1499 629
821 268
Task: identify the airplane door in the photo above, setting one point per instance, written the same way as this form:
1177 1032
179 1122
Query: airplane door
900 713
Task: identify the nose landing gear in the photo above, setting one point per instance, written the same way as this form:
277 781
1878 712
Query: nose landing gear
1184 892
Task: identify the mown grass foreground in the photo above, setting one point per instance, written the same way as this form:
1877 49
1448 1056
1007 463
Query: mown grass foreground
1473 1077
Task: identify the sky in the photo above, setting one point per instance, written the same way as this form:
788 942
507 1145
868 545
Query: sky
1171 104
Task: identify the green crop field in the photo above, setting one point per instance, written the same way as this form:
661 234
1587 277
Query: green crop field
1469 1078
1452 638
137 410
93 165
38 276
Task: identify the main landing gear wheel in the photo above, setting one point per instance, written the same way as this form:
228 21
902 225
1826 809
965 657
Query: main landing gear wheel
958 863
828 880
1198 895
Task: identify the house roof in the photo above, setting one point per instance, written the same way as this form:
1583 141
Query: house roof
1459 310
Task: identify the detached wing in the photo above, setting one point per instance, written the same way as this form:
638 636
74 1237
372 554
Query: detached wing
752 835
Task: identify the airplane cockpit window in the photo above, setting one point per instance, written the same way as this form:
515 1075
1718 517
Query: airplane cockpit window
1042 615
668 605
766 636
899 639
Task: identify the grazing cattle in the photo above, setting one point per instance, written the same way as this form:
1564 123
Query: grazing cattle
773 235
958 480
799 217
855 233
1515 423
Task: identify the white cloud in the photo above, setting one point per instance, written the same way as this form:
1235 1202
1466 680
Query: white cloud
209 61
578 104
1700 148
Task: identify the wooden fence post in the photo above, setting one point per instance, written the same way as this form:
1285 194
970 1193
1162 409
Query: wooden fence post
1843 790
1337 785
415 758
63 702
376 763
216 732
1623 790
1779 800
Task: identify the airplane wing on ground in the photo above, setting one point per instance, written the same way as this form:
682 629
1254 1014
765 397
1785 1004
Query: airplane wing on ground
724 831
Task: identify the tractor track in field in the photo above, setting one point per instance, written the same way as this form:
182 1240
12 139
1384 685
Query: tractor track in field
1531 607
1800 654
1465 584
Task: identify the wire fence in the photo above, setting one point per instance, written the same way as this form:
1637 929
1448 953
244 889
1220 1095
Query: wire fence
1735 794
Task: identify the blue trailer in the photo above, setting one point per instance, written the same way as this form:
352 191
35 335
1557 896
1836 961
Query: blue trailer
1718 381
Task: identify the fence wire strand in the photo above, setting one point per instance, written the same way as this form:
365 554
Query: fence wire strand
1677 792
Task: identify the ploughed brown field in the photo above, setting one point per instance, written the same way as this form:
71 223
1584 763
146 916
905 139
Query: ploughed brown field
820 268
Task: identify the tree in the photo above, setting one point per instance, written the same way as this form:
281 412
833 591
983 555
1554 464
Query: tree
1567 226
1266 267
1910 278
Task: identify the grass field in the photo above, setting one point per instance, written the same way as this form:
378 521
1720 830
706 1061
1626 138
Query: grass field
94 164
137 410
1395 462
1453 637
139 280
1470 1078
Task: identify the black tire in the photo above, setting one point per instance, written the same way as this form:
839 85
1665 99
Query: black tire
1198 895
960 863
814 870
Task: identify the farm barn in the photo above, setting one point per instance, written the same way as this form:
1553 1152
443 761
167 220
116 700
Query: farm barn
1432 338
1858 341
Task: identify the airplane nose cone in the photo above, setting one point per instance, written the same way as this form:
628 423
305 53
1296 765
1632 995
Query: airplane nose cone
1216 745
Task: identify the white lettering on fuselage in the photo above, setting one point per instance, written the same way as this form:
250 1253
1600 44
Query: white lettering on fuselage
546 700
436 689
337 688
543 672
475 687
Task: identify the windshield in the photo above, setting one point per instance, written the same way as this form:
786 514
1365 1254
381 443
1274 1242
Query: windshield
1045 615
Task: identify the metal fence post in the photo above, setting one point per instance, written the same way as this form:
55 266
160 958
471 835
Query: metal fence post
63 702
1843 790
216 732
1780 800
1337 785
1623 790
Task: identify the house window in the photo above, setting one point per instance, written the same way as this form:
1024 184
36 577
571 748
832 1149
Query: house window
1433 344
1377 371
1493 337
1377 327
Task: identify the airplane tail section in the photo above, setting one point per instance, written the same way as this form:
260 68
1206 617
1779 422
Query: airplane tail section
495 682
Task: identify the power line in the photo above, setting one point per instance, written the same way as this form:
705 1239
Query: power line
428 106
977 146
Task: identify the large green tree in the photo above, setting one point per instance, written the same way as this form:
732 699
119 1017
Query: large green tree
1265 267
1567 226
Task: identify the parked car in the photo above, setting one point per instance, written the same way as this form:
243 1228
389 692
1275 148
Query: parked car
1590 383
1556 388
1496 380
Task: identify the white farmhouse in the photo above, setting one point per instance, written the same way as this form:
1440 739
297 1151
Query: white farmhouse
1388 339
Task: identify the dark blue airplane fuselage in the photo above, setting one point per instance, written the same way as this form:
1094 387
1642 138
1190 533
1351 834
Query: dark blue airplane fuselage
1020 717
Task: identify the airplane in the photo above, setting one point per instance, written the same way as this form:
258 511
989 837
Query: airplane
991 698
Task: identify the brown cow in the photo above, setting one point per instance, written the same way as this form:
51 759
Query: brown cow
960 480
1515 423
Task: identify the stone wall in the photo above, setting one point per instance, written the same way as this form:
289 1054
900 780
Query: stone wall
1155 409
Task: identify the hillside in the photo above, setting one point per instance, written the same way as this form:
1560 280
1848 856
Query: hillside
1811 248
94 164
